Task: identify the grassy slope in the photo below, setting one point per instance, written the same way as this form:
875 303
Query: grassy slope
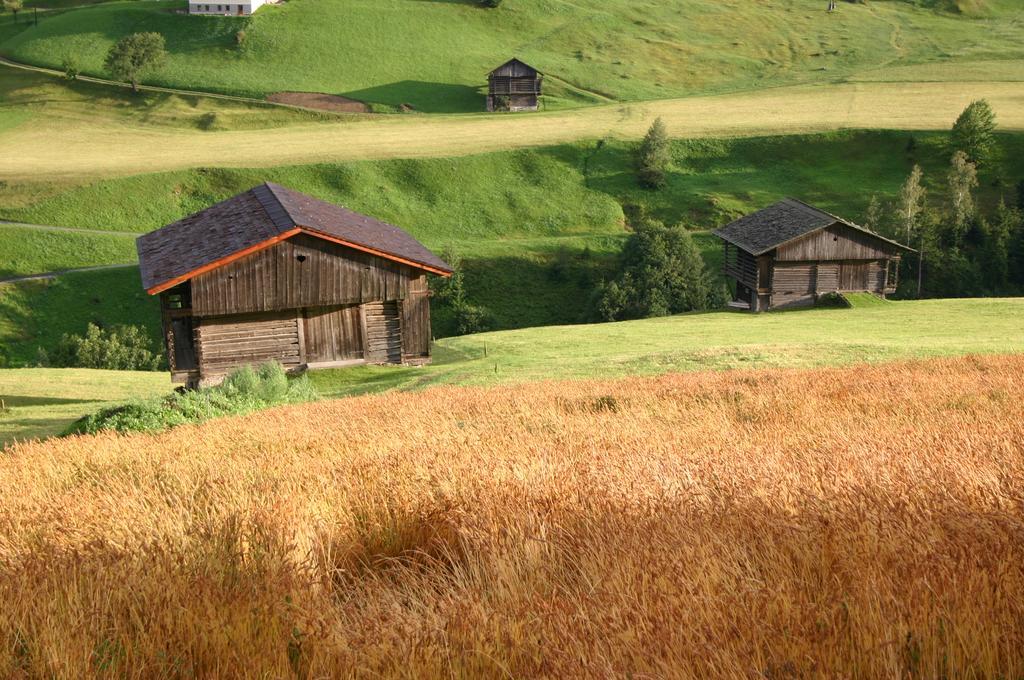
35 314
435 54
513 216
715 340
718 340
564 190
32 251
43 401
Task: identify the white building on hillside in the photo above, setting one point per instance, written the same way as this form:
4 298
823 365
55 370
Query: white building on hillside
241 9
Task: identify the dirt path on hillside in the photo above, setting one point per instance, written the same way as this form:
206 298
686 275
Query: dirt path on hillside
319 101
54 148
4 61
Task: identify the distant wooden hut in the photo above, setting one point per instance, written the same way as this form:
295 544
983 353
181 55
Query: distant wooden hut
514 86
273 274
790 253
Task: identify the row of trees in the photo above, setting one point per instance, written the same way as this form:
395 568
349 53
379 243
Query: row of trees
963 249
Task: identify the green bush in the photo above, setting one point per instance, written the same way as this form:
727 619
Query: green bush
121 348
661 272
451 294
974 132
244 390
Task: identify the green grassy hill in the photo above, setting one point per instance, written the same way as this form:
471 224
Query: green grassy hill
44 401
31 250
545 222
435 55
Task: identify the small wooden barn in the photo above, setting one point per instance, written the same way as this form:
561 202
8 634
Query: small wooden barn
514 86
790 253
273 274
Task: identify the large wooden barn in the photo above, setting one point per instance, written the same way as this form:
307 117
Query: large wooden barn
790 253
514 86
273 274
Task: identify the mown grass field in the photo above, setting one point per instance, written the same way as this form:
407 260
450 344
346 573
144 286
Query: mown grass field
42 402
435 55
871 333
710 340
835 522
54 149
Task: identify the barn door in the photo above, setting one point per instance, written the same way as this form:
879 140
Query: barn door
332 334
383 321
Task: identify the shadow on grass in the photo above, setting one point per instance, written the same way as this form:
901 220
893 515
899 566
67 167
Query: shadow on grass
23 401
425 96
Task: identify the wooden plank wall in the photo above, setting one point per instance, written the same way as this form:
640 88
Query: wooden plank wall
797 283
793 285
416 320
827 277
838 242
332 334
303 271
224 343
383 324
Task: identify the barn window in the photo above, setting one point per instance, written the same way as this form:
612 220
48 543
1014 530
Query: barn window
300 258
175 301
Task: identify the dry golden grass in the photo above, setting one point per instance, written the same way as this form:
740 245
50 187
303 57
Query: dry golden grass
68 148
851 522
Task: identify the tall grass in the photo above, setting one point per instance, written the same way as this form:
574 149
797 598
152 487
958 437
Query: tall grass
859 522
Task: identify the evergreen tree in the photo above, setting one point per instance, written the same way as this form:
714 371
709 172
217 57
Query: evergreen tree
654 156
661 272
452 295
134 55
974 132
1014 226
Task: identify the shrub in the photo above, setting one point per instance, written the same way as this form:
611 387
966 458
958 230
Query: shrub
974 132
243 391
122 348
70 66
451 293
135 55
661 272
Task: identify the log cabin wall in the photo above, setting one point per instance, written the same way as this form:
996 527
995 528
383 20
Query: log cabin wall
226 342
799 283
303 271
837 242
302 302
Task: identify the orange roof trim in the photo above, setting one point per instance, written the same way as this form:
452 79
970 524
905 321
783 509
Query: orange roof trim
283 237
223 261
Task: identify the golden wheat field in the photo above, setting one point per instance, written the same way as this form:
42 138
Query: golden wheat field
860 522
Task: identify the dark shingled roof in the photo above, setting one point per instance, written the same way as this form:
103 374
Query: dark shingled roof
513 68
259 215
782 222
